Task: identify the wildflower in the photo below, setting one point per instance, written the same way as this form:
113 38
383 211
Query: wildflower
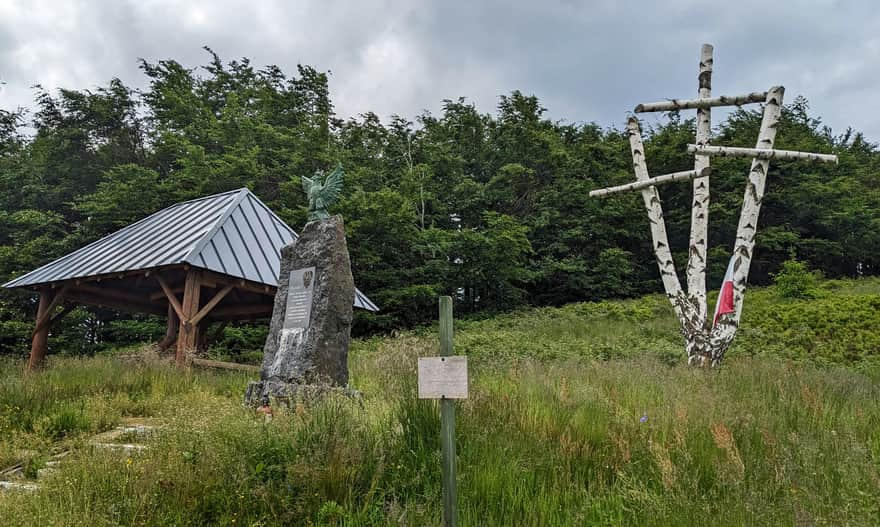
643 418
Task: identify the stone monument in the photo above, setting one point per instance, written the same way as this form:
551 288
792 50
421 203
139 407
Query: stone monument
306 351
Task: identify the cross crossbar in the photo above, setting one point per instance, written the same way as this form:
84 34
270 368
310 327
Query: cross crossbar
703 102
760 153
686 175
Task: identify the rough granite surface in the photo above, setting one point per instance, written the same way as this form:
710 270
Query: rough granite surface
315 358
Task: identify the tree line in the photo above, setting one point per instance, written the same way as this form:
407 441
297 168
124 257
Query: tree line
491 208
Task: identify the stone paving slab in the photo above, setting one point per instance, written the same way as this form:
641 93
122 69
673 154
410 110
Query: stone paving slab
12 478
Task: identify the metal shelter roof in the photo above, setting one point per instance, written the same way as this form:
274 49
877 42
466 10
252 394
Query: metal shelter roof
233 233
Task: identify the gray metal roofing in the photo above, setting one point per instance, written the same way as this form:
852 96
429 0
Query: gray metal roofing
233 233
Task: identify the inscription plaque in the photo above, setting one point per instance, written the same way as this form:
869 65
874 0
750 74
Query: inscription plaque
299 298
443 377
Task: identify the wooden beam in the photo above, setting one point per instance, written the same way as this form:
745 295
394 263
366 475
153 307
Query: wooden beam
160 294
187 339
211 304
244 311
710 102
760 153
128 306
99 278
107 292
225 365
686 175
244 285
235 296
172 299
40 339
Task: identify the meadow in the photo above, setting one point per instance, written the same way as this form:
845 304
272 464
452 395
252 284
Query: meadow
579 415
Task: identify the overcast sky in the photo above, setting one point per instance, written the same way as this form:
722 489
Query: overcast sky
586 61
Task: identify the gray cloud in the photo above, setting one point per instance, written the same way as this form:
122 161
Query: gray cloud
586 61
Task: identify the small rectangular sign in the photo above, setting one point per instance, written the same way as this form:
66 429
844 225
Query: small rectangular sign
299 298
443 377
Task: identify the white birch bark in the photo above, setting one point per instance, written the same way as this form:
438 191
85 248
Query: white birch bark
759 153
658 226
696 267
685 175
724 331
703 102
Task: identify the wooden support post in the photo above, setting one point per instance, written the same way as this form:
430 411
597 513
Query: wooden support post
187 339
447 423
201 335
45 320
170 330
212 337
40 340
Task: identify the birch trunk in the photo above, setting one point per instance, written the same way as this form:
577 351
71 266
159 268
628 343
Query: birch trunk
703 102
760 153
724 331
658 226
685 175
696 268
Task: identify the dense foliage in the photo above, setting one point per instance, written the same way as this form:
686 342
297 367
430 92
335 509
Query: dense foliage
490 208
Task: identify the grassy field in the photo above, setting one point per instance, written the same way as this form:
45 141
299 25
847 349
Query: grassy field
581 415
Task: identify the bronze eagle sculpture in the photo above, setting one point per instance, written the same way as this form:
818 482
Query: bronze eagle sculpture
322 192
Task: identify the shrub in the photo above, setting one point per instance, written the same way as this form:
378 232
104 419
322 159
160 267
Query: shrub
796 280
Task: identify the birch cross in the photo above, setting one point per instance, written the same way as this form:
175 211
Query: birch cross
706 343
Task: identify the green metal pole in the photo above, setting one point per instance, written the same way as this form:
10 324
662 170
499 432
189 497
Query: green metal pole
447 423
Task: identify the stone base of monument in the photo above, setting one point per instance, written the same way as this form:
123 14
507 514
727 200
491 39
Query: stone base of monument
306 351
284 394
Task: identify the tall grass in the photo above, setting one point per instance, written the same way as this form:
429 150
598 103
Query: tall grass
577 416
627 442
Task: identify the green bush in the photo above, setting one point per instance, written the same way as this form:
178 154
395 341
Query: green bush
796 280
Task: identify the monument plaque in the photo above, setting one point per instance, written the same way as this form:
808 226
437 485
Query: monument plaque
299 298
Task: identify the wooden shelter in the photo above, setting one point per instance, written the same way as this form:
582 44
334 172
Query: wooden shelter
210 259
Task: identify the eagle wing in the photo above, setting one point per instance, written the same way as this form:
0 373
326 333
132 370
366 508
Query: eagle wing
332 186
307 184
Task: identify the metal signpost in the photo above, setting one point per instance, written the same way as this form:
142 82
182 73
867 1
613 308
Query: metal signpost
445 378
